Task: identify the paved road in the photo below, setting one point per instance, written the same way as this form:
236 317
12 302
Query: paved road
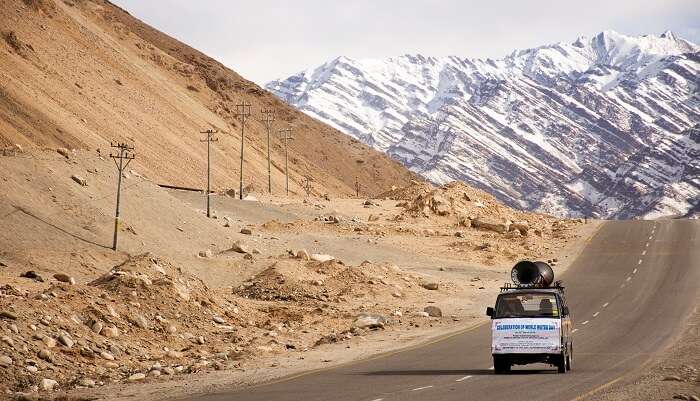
629 292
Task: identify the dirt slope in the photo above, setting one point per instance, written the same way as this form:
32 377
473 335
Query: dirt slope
79 74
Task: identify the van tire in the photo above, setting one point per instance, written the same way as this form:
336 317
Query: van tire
500 365
561 363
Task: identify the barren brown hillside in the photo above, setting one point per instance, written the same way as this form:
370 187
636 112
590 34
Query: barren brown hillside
81 73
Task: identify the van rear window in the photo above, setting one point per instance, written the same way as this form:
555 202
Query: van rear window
527 305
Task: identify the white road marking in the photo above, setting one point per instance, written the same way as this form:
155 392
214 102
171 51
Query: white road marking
640 262
421 388
605 305
378 399
462 378
596 314
634 271
644 252
623 285
574 331
629 278
586 322
647 245
651 236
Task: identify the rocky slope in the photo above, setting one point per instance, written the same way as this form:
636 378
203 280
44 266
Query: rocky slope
82 74
603 125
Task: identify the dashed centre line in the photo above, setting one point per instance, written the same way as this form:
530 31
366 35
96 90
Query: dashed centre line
644 252
378 399
584 323
640 262
605 305
421 388
574 331
462 378
634 271
651 236
596 314
647 245
628 278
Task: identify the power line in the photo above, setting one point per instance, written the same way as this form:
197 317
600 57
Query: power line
124 154
209 140
268 119
286 132
242 112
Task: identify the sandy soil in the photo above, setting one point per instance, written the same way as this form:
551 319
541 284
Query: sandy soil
177 307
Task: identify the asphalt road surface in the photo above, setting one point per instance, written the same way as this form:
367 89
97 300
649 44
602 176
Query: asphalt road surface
629 291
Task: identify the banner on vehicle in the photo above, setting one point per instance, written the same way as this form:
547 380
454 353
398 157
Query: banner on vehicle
526 336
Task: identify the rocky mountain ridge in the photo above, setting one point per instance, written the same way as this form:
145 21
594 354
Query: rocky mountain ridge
601 126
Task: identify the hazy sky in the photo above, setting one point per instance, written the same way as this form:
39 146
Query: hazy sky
263 39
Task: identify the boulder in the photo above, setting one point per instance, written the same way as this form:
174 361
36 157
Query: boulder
239 247
136 377
369 321
80 180
491 225
64 278
302 254
5 361
66 341
205 254
430 286
48 384
246 231
433 311
7 315
321 257
32 275
521 226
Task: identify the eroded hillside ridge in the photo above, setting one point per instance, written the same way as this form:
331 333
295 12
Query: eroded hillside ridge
556 128
80 74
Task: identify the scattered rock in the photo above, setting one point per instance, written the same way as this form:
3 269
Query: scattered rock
66 341
140 321
205 254
48 384
7 315
433 311
45 355
63 152
64 278
96 327
31 274
321 257
80 180
136 377
5 361
85 382
430 286
302 254
48 341
368 321
246 231
110 332
239 247
106 355
491 225
422 314
219 320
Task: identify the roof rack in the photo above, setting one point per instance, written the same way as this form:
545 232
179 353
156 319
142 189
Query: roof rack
557 285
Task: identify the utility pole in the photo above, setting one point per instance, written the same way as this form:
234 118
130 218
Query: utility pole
209 140
357 187
242 112
123 153
286 132
268 119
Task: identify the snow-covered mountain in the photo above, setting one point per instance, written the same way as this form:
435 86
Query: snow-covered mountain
605 125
